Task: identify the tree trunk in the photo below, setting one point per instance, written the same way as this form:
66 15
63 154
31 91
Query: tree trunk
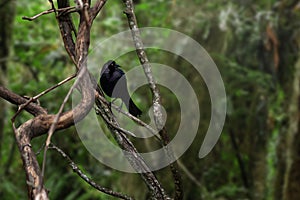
287 181
7 10
291 189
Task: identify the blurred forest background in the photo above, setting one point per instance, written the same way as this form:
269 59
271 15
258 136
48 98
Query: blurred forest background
255 45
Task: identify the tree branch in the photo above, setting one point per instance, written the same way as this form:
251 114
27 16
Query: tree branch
131 154
40 125
130 116
85 177
67 29
96 9
65 10
13 98
141 53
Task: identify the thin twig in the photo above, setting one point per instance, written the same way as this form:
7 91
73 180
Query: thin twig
114 126
48 12
38 15
85 177
22 106
189 174
40 149
130 116
52 6
53 126
96 9
55 86
68 10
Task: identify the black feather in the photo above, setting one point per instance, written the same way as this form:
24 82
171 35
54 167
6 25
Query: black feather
114 84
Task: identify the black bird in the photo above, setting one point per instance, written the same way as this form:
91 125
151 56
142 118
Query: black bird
114 84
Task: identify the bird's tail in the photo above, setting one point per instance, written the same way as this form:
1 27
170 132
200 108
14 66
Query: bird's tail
133 109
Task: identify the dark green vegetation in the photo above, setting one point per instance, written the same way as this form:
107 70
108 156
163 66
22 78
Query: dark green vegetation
254 44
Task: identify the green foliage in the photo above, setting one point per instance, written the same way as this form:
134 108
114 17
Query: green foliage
9 190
